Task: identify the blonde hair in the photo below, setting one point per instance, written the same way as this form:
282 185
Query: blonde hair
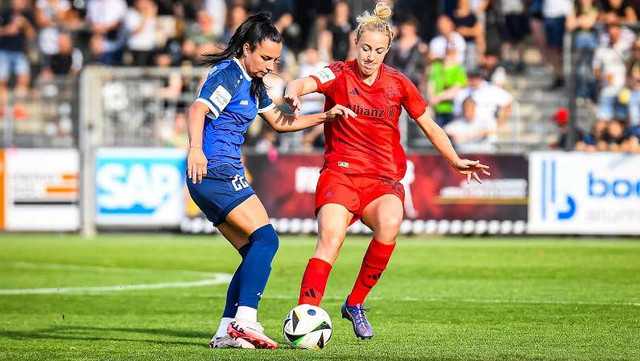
376 21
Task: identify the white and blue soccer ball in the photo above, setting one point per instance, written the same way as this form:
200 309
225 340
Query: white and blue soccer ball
308 327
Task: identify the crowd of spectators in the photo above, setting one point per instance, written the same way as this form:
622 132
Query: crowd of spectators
460 57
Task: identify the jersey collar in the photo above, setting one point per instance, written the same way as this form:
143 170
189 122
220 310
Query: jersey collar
244 72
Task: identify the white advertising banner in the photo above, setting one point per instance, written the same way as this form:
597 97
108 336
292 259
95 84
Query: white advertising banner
42 189
140 187
584 193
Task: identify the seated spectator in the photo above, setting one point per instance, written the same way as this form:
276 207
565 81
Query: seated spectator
561 118
622 9
491 101
141 23
495 72
447 34
618 137
595 140
446 79
407 52
472 30
67 62
16 26
105 19
513 31
633 82
472 133
609 68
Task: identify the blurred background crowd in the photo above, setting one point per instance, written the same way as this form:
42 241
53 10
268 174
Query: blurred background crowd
498 74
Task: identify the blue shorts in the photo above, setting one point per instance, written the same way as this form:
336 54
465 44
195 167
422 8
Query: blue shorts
222 190
13 62
554 31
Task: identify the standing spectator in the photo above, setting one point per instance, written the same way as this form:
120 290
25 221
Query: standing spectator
492 102
472 30
16 25
581 21
339 35
237 16
561 118
201 38
50 16
633 81
622 9
446 78
514 28
447 34
142 25
555 13
472 133
536 24
495 73
408 52
217 10
105 19
609 68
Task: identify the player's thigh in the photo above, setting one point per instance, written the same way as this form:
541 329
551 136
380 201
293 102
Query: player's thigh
248 216
236 237
384 216
333 220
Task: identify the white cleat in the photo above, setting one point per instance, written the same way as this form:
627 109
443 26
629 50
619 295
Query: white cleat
229 342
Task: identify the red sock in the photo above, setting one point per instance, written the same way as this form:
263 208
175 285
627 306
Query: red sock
373 264
314 282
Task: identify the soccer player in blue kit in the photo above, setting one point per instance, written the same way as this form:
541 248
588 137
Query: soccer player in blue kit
230 98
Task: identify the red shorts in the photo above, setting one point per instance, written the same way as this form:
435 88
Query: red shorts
352 191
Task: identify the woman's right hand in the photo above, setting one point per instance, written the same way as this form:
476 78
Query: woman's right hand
196 164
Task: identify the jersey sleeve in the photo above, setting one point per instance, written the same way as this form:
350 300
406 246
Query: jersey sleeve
265 103
412 100
325 77
218 89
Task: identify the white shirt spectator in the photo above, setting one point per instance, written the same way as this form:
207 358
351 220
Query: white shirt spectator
556 8
48 36
145 39
488 98
475 136
438 47
611 60
217 9
105 12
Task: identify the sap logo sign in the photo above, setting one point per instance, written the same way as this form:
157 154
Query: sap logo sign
618 188
136 187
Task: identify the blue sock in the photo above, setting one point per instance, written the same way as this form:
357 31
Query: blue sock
234 286
256 267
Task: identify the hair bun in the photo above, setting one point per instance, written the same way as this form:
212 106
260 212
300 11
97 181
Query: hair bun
383 11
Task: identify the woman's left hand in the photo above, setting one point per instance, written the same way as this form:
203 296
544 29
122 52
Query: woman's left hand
471 169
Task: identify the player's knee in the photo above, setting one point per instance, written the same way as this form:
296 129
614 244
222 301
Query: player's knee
267 238
390 224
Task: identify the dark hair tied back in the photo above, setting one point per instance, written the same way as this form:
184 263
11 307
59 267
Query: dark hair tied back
252 31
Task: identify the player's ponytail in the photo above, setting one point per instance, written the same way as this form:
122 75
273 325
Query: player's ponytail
252 31
376 21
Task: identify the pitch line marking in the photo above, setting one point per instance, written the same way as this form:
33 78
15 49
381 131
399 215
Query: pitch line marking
214 279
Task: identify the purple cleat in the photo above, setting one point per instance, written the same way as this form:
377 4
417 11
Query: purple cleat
361 325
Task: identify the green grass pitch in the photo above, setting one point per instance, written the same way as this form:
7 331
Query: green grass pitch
441 299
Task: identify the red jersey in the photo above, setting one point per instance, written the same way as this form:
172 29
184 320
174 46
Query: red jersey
368 145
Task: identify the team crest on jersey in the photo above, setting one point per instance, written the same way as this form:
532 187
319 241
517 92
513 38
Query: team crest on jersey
325 75
329 193
391 93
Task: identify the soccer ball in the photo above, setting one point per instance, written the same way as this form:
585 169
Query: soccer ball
307 327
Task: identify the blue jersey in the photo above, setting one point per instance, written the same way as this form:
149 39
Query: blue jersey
226 93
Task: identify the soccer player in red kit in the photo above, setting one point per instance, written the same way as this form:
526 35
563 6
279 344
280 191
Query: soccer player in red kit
364 160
